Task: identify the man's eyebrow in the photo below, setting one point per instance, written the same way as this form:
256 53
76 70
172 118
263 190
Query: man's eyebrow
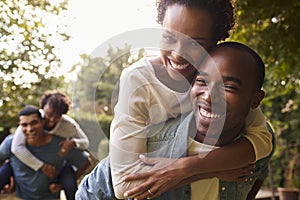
198 38
233 79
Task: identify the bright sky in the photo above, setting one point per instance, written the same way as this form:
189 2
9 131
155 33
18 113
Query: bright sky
95 21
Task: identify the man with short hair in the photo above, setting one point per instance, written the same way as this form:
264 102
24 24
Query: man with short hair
31 184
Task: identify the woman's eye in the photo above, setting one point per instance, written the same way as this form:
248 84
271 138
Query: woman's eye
195 43
201 81
168 38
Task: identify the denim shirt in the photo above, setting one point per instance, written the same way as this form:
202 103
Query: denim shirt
168 139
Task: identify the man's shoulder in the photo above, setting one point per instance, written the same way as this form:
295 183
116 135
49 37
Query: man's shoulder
8 140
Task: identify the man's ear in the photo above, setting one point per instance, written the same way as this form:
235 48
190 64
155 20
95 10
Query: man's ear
257 99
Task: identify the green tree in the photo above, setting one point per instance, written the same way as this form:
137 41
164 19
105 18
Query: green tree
28 54
97 80
272 28
95 90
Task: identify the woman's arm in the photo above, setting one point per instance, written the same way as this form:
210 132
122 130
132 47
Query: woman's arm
242 152
127 141
141 103
186 170
235 175
69 128
18 147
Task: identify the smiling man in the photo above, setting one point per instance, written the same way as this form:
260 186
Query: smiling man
225 94
31 184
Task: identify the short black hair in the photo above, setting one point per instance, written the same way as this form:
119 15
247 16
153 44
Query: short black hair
29 110
260 66
223 12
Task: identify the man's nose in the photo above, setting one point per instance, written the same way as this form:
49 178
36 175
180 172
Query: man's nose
212 95
29 128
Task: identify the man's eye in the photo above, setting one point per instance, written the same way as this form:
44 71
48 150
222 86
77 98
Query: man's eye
230 87
35 122
23 125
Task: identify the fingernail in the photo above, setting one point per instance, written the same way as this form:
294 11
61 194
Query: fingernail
141 156
123 179
125 194
246 179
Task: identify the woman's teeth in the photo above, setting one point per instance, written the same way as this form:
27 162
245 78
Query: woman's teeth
179 66
208 114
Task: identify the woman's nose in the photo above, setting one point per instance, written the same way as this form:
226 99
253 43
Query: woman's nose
178 52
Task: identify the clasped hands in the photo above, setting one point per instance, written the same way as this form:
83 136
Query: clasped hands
170 173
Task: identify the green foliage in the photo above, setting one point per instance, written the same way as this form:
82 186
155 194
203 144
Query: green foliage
95 127
95 92
98 79
28 60
272 28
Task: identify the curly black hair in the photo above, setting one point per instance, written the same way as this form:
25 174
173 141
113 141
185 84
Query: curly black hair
57 100
223 12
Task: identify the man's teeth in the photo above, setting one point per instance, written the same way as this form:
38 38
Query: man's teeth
177 66
208 114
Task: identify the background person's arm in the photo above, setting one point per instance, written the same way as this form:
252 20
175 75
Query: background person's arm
68 128
18 147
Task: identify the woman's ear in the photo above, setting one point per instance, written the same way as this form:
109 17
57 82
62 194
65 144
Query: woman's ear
257 99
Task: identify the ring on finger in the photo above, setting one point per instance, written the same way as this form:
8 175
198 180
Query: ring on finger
63 150
149 191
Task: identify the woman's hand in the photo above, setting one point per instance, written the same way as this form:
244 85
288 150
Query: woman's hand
10 188
172 173
49 170
55 187
167 174
65 147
